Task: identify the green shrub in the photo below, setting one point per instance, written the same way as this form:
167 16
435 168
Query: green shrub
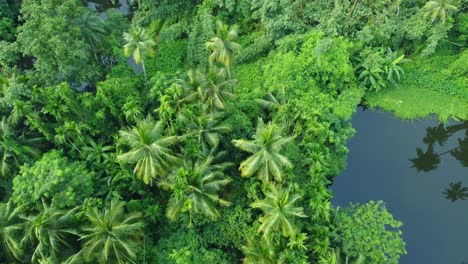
53 177
460 66
171 55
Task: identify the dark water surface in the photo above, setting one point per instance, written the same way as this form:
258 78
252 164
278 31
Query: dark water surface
429 199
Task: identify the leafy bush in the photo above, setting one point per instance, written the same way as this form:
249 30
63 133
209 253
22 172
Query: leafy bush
460 66
53 177
171 55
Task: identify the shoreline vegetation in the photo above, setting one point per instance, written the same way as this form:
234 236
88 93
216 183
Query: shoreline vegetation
222 148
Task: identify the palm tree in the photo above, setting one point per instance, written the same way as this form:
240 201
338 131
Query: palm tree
266 146
259 252
223 48
48 232
195 188
14 149
279 211
214 91
271 101
207 128
93 30
139 45
112 236
149 149
439 8
192 86
10 229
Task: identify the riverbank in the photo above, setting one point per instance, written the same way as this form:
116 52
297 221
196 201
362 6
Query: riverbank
427 88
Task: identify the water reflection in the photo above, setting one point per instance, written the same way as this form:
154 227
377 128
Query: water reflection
378 169
456 192
429 160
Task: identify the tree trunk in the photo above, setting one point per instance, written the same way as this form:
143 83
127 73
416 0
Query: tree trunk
144 73
232 85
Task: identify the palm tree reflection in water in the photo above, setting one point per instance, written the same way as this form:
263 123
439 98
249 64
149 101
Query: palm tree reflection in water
429 160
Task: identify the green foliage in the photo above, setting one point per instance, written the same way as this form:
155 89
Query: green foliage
201 31
231 229
15 148
49 233
149 149
438 9
223 47
267 162
171 55
322 62
57 45
377 69
279 211
459 67
112 236
9 10
10 231
93 30
304 67
461 27
195 188
257 48
139 45
175 245
120 88
371 231
53 178
429 87
279 18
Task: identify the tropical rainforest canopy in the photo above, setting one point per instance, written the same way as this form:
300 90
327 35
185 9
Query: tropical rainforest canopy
208 131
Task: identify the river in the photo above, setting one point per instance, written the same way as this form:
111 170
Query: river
435 222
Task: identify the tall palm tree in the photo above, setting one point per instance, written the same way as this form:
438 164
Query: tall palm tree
279 211
10 231
214 91
49 231
266 146
112 235
223 48
223 45
195 188
15 149
149 149
93 30
439 8
139 45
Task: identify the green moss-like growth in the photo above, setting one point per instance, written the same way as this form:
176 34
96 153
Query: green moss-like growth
427 88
